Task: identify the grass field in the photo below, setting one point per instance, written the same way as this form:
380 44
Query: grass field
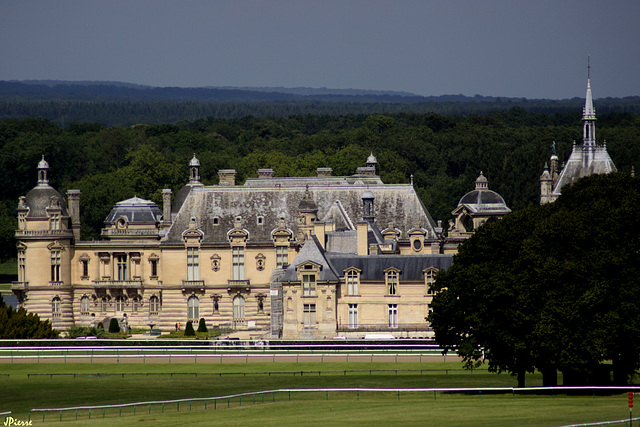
19 394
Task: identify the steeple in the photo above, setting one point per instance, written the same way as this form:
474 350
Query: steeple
588 123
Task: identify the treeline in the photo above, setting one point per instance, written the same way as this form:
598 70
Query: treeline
118 112
442 154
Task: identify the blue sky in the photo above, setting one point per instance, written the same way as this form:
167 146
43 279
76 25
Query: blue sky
533 49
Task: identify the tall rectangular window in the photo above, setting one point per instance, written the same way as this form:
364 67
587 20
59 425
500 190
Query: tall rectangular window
22 266
55 266
193 264
85 268
430 279
308 285
392 282
238 262
282 256
393 315
352 282
154 268
121 266
309 316
353 316
54 222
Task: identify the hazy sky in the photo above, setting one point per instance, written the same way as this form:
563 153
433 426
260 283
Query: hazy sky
533 49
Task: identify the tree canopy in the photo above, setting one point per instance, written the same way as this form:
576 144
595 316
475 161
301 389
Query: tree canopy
554 287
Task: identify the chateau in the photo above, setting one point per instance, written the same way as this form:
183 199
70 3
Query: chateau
313 257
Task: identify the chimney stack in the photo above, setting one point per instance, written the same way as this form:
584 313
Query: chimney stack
166 208
227 176
265 173
74 212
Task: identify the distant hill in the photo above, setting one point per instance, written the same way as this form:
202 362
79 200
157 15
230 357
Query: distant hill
117 103
71 90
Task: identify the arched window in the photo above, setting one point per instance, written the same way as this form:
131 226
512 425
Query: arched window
238 309
85 305
154 305
193 308
55 307
136 304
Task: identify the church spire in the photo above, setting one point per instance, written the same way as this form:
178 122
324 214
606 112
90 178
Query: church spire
588 122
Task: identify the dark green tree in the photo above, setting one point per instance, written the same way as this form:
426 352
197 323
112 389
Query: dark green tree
202 326
551 288
18 323
114 326
188 330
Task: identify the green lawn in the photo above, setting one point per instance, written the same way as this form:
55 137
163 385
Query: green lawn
19 394
9 267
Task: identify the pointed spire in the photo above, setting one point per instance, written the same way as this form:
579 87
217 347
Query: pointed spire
588 113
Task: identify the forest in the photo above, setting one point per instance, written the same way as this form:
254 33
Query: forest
441 154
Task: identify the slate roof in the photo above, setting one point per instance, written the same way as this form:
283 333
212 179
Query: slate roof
484 201
260 204
372 267
39 198
135 210
576 169
311 251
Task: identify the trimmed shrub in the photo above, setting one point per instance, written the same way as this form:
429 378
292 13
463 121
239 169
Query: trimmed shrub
202 326
114 326
188 331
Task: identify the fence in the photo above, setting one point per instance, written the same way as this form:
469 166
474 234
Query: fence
344 372
259 397
220 352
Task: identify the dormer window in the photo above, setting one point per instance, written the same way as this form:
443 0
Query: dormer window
352 277
54 221
430 279
391 278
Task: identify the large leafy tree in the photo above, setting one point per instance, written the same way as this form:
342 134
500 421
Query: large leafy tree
555 287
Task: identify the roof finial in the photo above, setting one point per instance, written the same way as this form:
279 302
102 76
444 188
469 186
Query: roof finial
589 66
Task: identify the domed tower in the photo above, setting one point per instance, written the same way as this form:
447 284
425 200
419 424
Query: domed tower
477 207
44 253
133 219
